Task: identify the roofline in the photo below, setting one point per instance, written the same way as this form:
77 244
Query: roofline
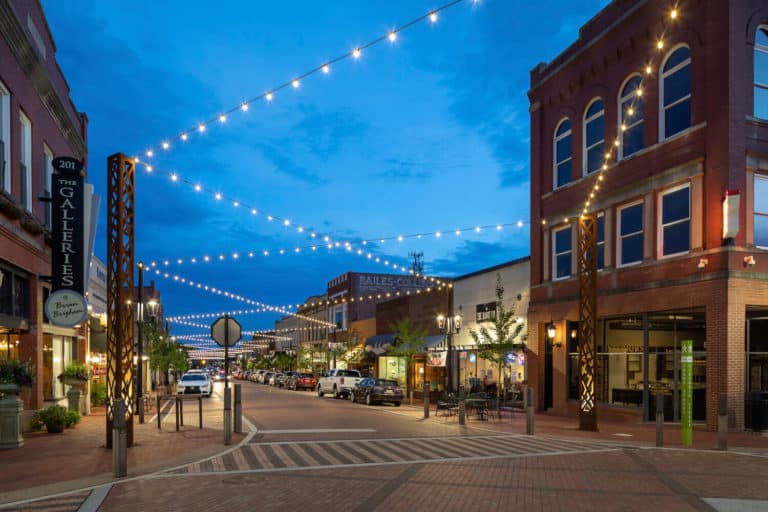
490 269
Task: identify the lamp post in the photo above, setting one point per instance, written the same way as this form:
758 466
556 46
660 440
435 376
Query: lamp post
449 325
151 308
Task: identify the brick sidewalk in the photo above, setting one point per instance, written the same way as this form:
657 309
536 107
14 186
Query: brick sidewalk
51 463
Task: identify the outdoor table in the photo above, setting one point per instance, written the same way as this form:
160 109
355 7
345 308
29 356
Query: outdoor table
480 405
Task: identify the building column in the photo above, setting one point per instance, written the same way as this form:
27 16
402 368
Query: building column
31 344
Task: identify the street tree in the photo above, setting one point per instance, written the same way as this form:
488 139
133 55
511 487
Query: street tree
164 352
409 341
505 336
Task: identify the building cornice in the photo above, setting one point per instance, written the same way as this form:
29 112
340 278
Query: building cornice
33 68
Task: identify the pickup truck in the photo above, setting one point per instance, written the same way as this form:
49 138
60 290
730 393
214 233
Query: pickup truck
338 382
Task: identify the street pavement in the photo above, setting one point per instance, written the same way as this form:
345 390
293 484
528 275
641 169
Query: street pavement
313 453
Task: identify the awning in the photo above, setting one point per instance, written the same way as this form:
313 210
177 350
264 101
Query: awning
379 343
437 342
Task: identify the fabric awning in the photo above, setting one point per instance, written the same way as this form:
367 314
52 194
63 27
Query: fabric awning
379 343
437 342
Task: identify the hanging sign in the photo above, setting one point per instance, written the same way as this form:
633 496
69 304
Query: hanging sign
67 230
437 358
66 308
686 395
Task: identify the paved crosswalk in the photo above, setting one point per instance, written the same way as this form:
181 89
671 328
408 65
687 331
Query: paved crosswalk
287 455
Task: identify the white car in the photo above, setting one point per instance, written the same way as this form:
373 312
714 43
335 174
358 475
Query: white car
194 384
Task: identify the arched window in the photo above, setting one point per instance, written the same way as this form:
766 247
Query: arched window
676 93
631 117
563 155
594 136
761 72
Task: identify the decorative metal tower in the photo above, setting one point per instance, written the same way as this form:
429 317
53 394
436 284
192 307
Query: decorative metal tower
587 267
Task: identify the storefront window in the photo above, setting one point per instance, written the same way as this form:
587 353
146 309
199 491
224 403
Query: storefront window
757 351
9 346
393 368
58 351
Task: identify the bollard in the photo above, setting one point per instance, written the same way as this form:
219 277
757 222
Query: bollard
659 420
200 410
722 422
238 408
180 403
529 410
119 439
159 417
426 399
462 407
176 406
227 417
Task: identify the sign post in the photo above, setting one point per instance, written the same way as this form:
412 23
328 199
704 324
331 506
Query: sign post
686 398
226 331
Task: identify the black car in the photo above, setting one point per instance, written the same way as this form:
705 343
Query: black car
374 391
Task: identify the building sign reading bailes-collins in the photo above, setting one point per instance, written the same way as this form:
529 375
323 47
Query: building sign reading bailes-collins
66 306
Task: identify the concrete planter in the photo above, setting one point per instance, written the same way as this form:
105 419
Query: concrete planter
11 408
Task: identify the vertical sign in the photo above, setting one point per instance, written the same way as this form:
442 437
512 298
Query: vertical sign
68 230
686 397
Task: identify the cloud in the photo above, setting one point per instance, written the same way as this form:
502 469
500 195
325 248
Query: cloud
475 255
403 170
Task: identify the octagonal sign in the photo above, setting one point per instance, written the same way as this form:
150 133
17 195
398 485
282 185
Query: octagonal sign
226 331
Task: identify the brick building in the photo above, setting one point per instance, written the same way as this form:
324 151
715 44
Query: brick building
37 122
680 102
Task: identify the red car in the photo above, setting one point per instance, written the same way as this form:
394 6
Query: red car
301 381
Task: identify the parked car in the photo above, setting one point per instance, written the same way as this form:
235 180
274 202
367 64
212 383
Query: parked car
256 375
264 378
194 383
301 381
283 383
338 382
374 391
273 380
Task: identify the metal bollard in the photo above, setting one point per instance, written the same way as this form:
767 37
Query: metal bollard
159 416
200 410
462 407
529 410
238 408
119 440
426 399
722 422
659 420
181 411
176 406
227 417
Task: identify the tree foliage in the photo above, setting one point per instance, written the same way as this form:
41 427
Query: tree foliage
505 335
163 351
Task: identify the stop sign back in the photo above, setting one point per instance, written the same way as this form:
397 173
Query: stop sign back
226 331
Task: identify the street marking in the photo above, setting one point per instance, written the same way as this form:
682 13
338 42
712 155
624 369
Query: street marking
317 430
95 499
735 505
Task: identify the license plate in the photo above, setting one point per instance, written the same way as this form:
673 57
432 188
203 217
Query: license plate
389 392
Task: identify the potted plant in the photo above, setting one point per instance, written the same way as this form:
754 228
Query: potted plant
14 374
75 374
55 418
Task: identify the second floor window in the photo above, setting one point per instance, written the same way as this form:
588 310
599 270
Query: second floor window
761 211
48 162
594 136
601 242
631 234
563 160
561 253
761 72
5 138
631 117
676 221
25 165
676 93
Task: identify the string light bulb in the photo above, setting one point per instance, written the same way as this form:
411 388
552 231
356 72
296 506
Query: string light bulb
150 153
326 68
244 106
269 96
295 83
201 127
223 118
356 53
166 145
433 17
183 136
392 36
660 44
673 13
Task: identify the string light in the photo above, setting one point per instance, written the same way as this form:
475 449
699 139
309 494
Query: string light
325 68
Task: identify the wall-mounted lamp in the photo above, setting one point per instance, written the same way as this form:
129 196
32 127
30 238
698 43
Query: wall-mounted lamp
551 330
574 333
703 262
749 260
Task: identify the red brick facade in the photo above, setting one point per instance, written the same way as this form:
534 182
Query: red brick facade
724 145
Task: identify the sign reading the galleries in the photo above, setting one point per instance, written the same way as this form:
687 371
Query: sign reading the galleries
66 308
68 226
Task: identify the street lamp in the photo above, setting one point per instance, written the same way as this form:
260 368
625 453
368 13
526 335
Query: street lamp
449 325
151 308
551 333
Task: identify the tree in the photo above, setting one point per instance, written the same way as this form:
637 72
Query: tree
164 353
505 336
409 341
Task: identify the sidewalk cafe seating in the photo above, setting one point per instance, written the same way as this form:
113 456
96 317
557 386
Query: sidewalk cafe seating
449 406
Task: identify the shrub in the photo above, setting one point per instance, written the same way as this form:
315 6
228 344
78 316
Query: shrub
13 371
52 417
72 419
98 394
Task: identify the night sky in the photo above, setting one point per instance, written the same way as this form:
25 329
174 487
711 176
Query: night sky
427 133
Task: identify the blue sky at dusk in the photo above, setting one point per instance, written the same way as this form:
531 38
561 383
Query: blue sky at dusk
429 132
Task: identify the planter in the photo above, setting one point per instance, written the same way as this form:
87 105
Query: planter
11 408
75 383
54 428
9 207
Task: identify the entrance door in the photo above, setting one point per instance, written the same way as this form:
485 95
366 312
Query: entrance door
548 374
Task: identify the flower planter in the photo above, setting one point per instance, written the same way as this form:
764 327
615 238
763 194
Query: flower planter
11 408
54 428
75 383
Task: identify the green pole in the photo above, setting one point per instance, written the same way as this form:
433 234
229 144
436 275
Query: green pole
686 398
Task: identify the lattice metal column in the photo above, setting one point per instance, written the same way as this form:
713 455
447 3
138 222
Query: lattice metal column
120 321
586 259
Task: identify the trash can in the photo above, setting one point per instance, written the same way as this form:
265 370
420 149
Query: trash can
756 414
